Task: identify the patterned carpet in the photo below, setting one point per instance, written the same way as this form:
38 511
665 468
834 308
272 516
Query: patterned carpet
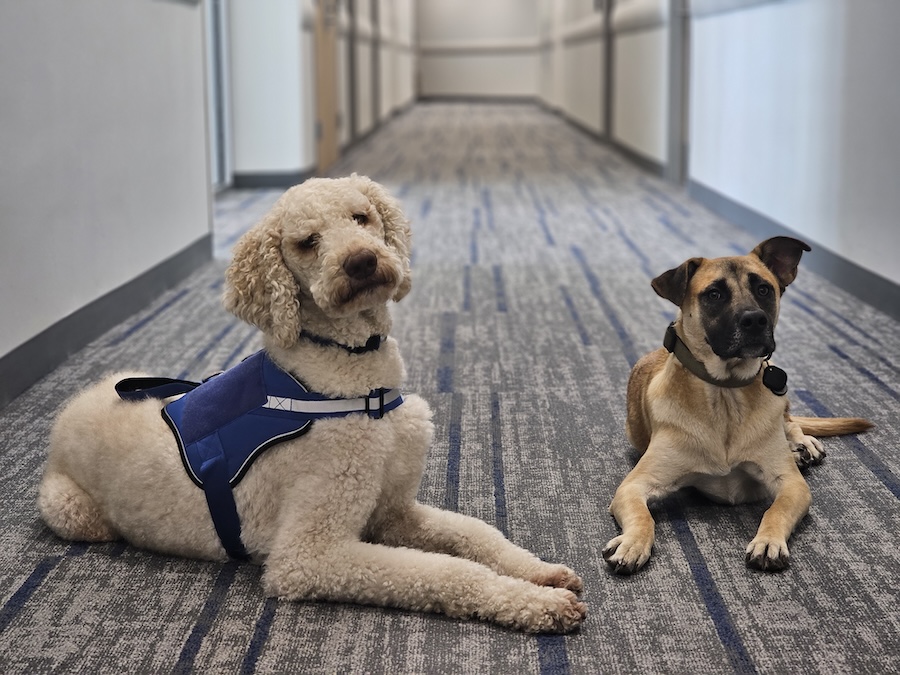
533 251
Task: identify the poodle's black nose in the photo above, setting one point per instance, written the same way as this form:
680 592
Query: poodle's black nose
361 265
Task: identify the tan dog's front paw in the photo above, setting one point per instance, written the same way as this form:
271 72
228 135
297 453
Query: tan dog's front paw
558 576
808 452
627 556
768 555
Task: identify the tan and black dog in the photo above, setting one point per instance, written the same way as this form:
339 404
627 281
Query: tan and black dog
708 411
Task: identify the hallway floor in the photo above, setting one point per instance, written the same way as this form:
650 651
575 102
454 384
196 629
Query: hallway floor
534 248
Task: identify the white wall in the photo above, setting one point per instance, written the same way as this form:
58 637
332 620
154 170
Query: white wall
405 78
794 114
505 71
365 49
273 78
396 28
868 208
640 112
103 139
549 63
270 74
582 54
476 48
387 58
551 50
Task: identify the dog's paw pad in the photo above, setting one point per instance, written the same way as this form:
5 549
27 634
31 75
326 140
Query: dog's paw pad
768 556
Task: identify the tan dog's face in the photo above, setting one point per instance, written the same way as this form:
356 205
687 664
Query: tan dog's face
339 244
731 304
333 242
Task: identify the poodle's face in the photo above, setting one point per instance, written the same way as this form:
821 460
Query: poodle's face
333 242
341 244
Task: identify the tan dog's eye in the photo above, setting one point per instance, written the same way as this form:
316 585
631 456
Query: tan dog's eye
309 243
361 218
763 290
713 294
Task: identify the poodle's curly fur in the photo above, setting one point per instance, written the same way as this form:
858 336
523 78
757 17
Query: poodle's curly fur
332 514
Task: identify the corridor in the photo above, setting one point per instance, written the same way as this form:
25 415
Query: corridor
533 250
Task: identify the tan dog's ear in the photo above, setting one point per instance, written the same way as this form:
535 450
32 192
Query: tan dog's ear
396 226
259 288
781 255
673 284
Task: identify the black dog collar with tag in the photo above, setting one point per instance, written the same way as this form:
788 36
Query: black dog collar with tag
774 378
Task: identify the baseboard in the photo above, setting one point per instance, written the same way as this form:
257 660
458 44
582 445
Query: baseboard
869 287
354 143
646 163
593 134
31 361
255 181
476 98
703 8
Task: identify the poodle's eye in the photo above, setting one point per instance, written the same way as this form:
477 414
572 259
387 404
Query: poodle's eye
361 218
309 243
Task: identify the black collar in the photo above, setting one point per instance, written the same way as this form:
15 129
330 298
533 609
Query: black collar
673 343
372 344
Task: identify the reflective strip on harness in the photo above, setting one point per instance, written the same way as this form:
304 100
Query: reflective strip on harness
333 406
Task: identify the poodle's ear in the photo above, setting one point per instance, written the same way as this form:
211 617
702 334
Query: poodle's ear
259 288
673 284
782 256
396 226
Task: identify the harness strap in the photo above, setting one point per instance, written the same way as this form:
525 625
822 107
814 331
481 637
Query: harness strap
140 388
378 402
213 471
220 499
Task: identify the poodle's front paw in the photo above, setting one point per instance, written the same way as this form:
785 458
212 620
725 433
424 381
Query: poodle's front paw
768 555
808 452
626 555
558 576
554 610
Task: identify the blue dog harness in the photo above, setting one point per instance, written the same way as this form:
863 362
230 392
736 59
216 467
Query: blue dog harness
225 423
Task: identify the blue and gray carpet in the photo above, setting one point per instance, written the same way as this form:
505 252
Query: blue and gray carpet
534 249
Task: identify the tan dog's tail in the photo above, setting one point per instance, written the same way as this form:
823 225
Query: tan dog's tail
832 426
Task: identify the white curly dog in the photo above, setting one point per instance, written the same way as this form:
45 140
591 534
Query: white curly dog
332 513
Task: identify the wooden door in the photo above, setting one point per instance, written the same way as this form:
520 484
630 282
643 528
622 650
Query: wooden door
326 84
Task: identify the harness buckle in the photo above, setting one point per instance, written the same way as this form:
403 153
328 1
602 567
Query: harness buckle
376 413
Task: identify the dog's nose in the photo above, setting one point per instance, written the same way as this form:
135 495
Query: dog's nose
361 265
754 320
